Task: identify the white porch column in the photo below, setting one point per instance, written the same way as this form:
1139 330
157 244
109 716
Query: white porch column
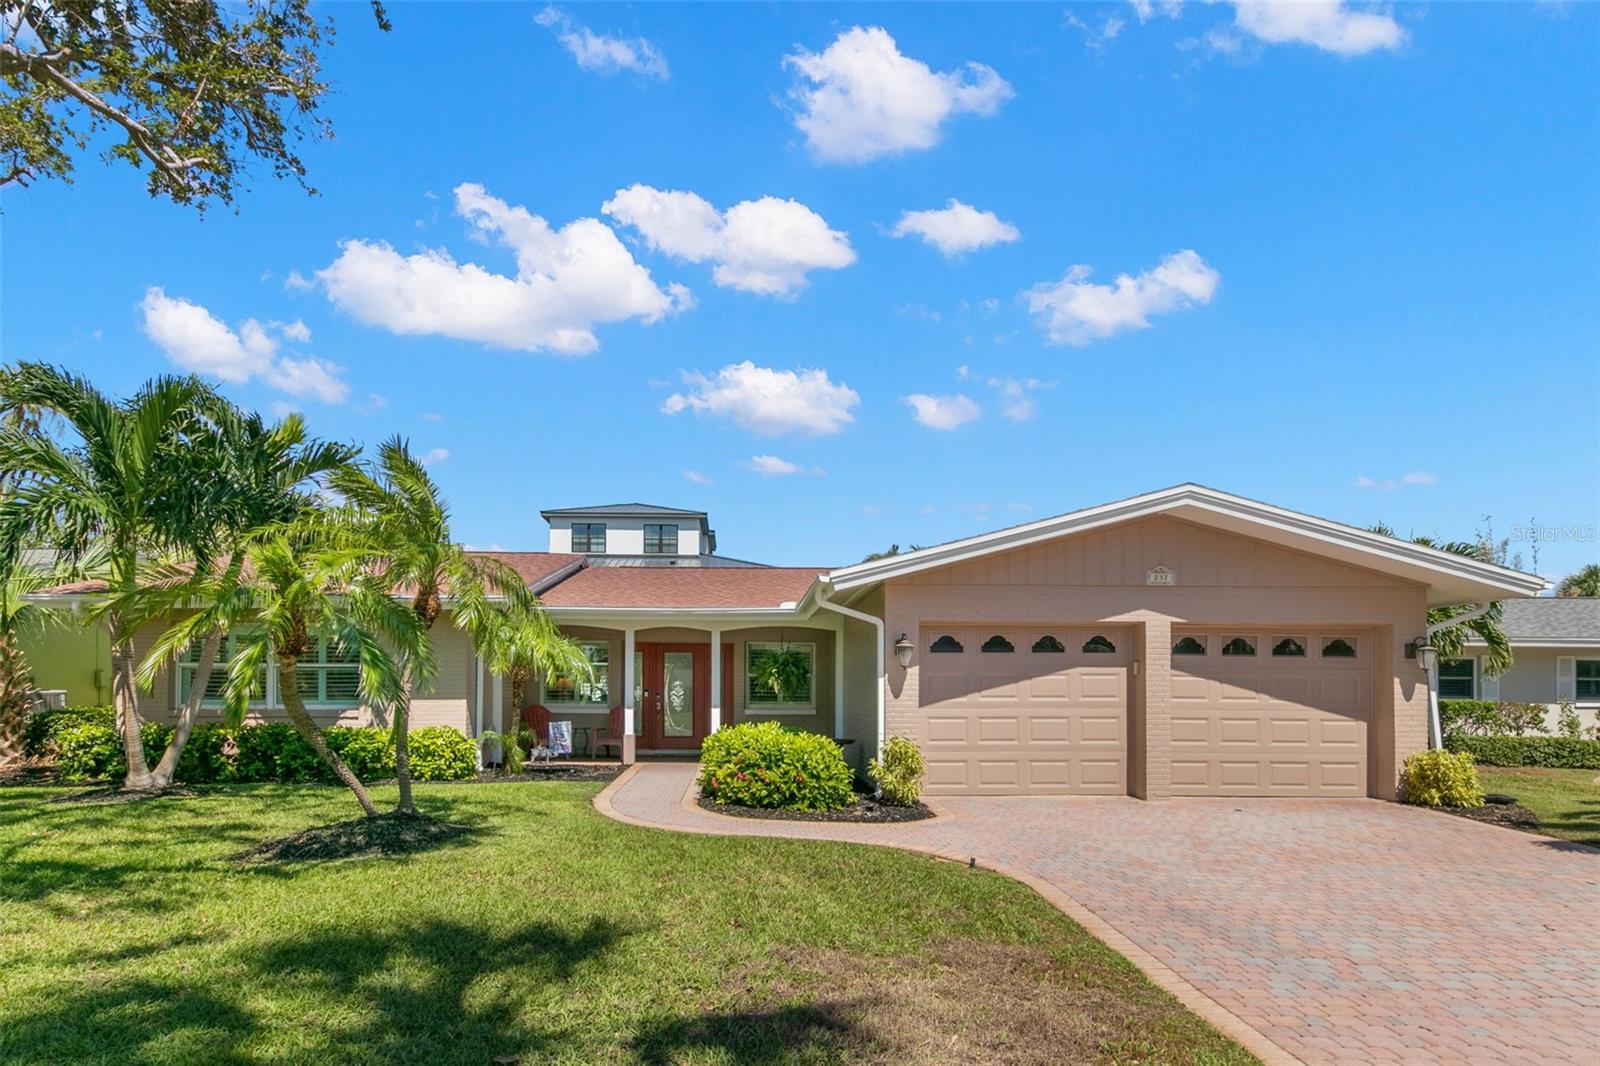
628 683
838 678
477 700
716 680
498 702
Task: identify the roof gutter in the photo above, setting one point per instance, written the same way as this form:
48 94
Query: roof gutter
821 600
1435 726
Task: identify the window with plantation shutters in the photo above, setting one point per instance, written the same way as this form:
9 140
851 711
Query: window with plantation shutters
330 673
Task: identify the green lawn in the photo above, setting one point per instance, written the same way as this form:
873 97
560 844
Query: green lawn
128 936
1566 801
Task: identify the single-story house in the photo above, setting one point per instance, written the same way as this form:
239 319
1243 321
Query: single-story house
1555 646
1181 642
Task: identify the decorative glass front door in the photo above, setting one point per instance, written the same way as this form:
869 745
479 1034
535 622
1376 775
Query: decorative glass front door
677 694
673 692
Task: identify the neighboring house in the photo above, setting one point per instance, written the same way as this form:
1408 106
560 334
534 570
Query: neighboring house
1555 645
1182 642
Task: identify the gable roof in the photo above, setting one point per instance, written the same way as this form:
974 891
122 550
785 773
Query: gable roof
686 588
643 509
1551 621
1450 578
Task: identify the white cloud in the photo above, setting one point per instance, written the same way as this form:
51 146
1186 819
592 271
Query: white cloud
297 282
195 339
1415 478
871 510
695 477
1147 9
861 98
927 509
1097 38
1076 311
942 412
601 53
956 228
433 456
567 282
1326 24
768 401
772 466
764 246
1016 402
431 416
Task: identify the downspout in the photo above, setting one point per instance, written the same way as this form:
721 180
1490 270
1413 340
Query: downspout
883 680
1435 726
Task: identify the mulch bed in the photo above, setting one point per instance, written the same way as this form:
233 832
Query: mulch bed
865 809
358 838
554 772
1511 815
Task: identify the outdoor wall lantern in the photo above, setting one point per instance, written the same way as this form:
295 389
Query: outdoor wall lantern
903 649
1426 654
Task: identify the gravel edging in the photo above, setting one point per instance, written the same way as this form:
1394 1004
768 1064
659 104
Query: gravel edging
865 812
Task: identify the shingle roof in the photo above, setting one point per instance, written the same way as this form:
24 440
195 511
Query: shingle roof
1551 619
624 509
535 567
688 587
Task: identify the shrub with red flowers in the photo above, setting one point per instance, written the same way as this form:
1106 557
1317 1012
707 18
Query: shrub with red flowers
761 764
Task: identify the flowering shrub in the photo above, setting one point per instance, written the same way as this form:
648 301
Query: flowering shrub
761 764
1441 779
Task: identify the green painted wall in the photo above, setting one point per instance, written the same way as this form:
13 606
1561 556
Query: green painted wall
73 658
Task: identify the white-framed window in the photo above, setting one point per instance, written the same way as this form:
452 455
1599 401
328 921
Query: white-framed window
761 698
330 674
189 666
559 688
1458 679
1587 680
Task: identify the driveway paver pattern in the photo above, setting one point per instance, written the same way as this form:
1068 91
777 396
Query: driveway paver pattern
1344 931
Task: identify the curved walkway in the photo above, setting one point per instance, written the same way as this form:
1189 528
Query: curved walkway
1315 931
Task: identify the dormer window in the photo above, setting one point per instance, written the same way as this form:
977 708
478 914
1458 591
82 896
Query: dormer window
660 539
589 538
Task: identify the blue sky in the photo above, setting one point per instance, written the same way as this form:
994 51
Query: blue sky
1361 248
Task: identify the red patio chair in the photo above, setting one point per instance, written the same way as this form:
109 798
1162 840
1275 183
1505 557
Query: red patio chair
610 736
537 718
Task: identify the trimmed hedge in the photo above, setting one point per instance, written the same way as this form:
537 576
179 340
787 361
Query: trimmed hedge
39 732
91 750
1557 752
761 764
1492 718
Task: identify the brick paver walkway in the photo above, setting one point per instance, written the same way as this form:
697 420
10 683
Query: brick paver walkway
1344 931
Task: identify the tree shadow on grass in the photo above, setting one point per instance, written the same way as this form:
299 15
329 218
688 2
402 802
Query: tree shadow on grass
817 1032
409 992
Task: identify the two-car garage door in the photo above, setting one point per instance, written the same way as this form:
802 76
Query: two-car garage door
1024 710
1041 710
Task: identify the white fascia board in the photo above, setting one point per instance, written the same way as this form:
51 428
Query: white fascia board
693 617
1542 645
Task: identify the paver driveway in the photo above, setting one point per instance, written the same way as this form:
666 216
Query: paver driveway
1341 930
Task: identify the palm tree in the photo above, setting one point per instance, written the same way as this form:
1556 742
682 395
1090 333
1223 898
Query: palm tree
112 487
1452 640
1581 583
253 476
297 584
402 509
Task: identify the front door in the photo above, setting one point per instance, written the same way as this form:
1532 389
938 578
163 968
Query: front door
675 694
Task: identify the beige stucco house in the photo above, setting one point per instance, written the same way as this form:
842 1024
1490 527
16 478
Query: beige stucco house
1182 642
1555 645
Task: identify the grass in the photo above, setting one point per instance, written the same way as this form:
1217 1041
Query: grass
129 935
1566 801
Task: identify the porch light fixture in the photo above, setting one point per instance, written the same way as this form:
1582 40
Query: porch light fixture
1426 654
903 649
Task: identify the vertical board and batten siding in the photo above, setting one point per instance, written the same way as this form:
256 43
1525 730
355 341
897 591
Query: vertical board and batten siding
1099 577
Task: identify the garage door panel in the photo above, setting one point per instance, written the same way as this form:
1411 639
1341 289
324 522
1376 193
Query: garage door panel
1025 721
997 731
1270 725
